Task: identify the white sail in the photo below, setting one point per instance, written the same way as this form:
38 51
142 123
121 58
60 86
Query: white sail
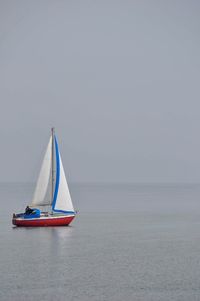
43 191
63 201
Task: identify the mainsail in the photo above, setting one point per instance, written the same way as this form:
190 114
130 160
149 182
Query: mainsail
42 194
60 200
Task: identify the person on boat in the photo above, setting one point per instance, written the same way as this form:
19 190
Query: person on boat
28 210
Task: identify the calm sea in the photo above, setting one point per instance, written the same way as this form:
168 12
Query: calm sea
128 242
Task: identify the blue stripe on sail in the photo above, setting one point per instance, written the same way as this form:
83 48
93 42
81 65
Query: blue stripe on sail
58 181
57 174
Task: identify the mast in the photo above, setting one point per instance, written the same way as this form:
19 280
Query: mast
52 163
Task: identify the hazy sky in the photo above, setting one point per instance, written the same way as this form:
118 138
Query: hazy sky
120 81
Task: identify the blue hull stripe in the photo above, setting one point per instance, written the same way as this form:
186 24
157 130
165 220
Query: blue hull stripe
62 211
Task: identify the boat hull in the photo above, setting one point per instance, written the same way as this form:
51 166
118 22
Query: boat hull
43 221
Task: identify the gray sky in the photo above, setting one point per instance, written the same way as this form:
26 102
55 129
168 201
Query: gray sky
118 79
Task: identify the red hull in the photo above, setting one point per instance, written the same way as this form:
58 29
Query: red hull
43 222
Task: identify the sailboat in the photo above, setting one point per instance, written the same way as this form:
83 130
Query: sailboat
51 204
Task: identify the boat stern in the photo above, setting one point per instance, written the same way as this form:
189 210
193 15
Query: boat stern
14 219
